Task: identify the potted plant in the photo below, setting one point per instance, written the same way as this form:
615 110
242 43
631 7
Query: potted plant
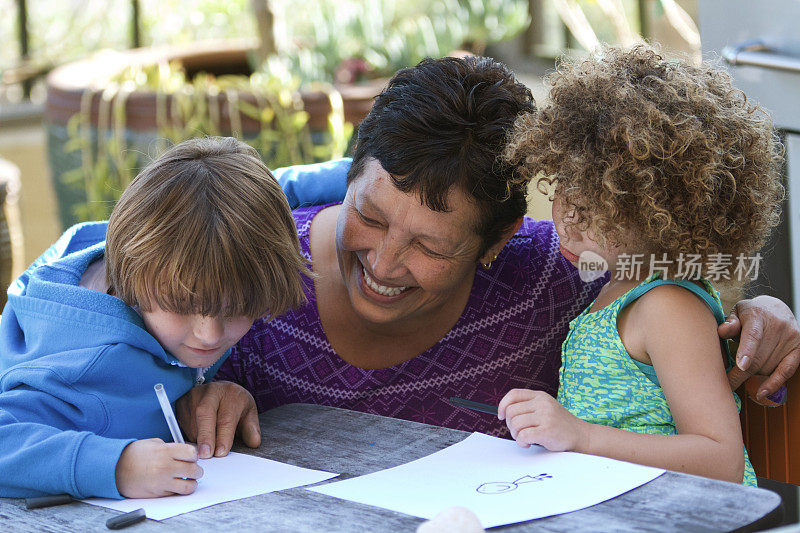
108 113
294 99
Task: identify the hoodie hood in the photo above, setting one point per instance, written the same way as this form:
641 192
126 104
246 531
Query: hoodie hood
48 312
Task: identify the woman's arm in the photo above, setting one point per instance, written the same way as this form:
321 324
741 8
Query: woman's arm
317 184
686 357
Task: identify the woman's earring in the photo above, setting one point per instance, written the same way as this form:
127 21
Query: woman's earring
487 266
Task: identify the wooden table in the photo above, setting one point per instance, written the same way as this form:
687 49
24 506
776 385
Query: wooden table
354 444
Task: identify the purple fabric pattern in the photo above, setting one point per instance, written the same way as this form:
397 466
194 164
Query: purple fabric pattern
509 336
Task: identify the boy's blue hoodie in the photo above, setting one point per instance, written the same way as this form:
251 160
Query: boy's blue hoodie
77 370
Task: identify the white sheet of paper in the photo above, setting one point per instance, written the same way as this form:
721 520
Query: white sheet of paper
225 479
499 481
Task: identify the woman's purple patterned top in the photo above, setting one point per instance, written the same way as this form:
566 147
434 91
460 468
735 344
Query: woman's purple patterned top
509 336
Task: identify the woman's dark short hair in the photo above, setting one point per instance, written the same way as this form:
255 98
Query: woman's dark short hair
444 124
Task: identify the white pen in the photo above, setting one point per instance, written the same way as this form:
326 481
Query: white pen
169 415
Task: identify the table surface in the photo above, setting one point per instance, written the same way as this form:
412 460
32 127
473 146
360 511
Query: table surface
354 444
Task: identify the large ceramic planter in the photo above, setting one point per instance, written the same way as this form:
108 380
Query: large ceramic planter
10 236
83 85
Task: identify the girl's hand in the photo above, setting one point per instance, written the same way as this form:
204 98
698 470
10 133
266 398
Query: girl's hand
535 417
151 468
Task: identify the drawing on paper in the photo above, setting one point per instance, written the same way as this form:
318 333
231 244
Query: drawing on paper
500 487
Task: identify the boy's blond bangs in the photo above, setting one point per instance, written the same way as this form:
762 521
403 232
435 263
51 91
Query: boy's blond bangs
206 230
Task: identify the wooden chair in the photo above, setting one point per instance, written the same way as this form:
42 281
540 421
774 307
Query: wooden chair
772 438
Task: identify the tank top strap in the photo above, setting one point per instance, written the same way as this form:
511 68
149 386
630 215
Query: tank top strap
711 302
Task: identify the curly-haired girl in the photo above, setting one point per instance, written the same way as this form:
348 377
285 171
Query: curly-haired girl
659 160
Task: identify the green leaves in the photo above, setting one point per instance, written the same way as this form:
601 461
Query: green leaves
389 35
112 154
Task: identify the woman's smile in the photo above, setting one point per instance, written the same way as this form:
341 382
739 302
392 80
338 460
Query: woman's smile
383 290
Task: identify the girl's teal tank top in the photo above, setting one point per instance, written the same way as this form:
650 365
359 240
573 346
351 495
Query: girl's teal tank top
599 382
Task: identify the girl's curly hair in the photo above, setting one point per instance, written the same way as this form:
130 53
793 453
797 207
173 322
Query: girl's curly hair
669 153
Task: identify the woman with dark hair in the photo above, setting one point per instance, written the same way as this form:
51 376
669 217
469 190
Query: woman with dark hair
429 280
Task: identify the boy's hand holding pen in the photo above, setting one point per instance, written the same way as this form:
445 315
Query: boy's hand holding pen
151 468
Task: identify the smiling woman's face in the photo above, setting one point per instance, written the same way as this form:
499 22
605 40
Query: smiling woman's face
399 259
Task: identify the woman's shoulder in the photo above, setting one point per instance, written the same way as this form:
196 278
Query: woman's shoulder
531 266
303 216
535 246
536 232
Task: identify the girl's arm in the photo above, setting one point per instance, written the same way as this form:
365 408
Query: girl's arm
680 336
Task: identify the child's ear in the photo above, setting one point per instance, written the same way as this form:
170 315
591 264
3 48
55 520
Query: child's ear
492 253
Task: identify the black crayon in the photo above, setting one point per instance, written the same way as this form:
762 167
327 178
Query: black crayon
475 406
47 501
125 520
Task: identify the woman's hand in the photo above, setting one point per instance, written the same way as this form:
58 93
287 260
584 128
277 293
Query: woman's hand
151 468
769 342
535 417
212 414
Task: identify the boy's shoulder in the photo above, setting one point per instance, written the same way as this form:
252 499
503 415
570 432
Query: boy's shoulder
48 312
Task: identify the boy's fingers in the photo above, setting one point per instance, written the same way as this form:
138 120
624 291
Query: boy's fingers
183 452
189 471
183 486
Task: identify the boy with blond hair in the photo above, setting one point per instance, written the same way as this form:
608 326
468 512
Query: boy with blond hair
200 245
